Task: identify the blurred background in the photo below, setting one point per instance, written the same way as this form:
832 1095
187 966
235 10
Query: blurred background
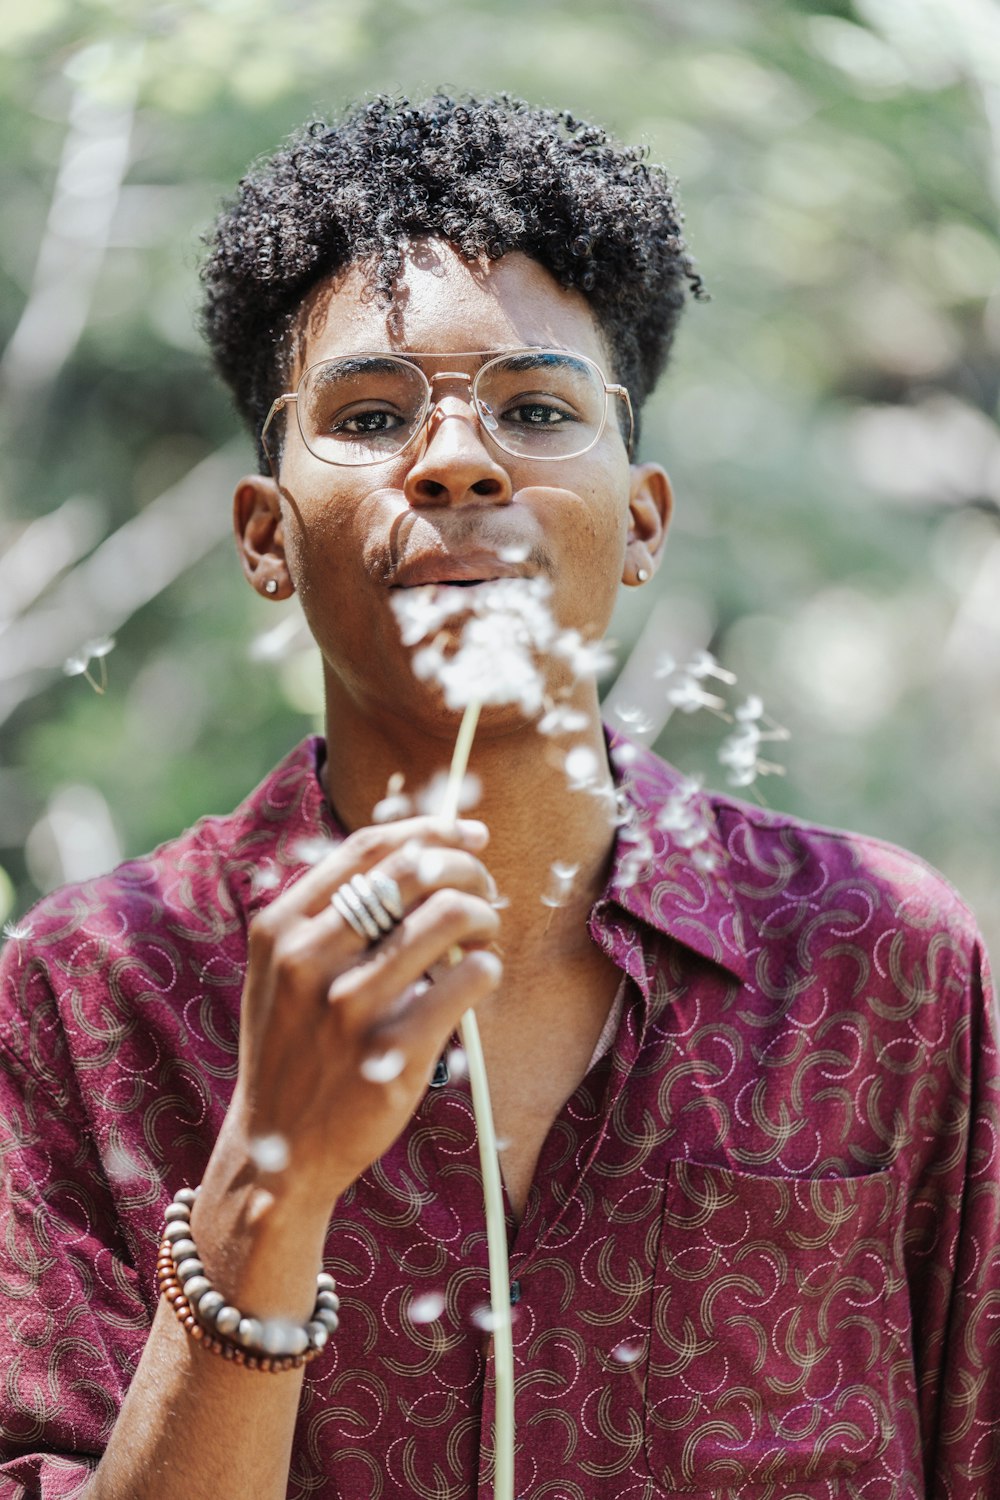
829 421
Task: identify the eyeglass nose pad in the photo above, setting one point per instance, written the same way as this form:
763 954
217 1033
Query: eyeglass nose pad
487 418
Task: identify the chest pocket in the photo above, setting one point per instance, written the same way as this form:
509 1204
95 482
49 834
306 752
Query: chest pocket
770 1348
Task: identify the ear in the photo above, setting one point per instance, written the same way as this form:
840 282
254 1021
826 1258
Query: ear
650 506
259 527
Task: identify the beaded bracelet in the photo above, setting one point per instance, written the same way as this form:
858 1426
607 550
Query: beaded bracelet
271 1344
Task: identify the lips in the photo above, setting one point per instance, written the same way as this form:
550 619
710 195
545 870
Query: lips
446 569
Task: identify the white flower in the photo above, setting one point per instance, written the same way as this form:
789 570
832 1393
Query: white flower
264 878
458 1062
704 664
561 877
78 664
752 708
311 851
638 855
626 754
427 1308
431 798
394 805
269 1153
485 1318
586 658
392 809
123 1167
421 612
383 1067
682 817
561 719
688 695
634 718
507 624
740 750
582 767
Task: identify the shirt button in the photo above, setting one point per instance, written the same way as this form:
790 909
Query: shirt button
515 1292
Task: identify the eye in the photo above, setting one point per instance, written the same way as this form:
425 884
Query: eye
538 413
364 422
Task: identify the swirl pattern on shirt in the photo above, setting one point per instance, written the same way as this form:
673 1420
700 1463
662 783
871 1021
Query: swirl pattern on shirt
759 1257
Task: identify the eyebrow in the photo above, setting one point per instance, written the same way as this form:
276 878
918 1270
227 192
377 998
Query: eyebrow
354 364
521 359
544 358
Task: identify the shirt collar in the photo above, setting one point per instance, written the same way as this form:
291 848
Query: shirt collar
670 867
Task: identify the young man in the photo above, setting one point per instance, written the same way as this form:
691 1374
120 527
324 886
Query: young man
749 1093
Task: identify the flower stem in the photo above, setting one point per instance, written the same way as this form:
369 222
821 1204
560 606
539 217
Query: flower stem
489 1161
460 759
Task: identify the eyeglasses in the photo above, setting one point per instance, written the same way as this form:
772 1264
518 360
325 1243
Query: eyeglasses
532 403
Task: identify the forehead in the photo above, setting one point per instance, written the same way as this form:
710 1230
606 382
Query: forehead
443 304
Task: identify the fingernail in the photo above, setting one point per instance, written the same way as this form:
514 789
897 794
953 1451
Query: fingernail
473 831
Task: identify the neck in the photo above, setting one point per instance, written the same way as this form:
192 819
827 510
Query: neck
535 818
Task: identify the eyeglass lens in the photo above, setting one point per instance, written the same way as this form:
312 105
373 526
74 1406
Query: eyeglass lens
362 409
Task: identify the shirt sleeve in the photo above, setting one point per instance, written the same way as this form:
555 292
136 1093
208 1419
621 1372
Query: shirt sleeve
957 1307
72 1322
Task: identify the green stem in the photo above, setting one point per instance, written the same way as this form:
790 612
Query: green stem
496 1224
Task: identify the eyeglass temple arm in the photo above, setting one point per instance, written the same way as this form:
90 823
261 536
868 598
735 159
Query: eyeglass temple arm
621 390
278 404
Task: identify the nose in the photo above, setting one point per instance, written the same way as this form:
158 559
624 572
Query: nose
454 466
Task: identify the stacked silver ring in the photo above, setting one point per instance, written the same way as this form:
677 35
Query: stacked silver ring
371 904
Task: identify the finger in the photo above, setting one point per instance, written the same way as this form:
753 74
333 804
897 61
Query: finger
417 870
414 1039
358 852
306 954
370 846
446 919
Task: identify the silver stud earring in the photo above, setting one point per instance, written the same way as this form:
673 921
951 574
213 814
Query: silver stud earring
271 586
641 575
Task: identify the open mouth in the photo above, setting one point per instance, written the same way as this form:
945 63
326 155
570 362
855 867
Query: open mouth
446 583
437 569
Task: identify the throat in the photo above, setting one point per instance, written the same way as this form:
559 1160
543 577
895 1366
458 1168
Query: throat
539 1046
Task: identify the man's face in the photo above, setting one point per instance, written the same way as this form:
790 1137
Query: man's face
451 505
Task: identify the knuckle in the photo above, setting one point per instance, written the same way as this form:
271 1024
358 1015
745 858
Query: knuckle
366 843
351 985
262 934
291 958
447 907
458 912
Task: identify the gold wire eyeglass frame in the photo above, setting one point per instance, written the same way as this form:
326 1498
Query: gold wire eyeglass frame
430 403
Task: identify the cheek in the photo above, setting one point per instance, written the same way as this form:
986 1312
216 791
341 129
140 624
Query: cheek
323 531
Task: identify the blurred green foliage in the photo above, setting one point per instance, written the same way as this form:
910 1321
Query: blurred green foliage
829 421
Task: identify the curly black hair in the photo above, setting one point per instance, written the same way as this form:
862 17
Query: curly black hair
489 175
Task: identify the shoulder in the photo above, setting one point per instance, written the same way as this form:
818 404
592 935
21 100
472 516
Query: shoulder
809 898
197 889
777 861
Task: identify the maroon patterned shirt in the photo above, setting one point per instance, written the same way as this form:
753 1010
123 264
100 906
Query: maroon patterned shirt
761 1254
